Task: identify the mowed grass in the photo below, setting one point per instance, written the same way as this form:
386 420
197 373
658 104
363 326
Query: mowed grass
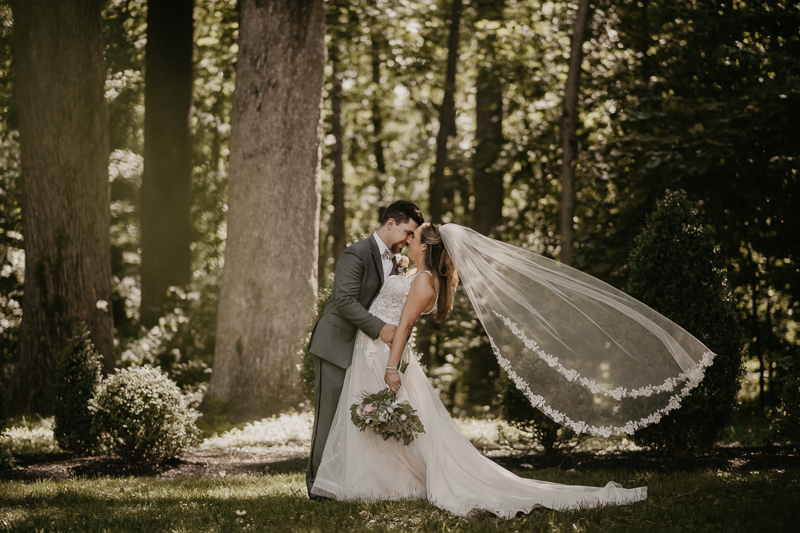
713 500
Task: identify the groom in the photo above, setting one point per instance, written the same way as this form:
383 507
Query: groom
360 273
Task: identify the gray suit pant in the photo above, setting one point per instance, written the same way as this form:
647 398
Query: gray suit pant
327 390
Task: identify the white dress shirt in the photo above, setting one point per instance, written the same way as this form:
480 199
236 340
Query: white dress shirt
386 262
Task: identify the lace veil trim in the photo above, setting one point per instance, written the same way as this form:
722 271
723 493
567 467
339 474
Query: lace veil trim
584 353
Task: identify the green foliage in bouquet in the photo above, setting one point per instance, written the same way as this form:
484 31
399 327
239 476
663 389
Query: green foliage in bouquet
143 417
387 416
78 375
677 269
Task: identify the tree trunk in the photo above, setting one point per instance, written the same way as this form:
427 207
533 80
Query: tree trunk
569 143
167 177
64 139
447 115
488 181
337 158
270 275
644 43
377 119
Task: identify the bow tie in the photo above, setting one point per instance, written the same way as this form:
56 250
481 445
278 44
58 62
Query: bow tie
387 254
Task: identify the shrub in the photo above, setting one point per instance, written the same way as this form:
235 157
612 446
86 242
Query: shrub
182 342
6 459
786 424
534 426
307 372
676 269
78 375
142 416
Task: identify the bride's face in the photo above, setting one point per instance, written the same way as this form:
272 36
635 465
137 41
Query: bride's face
416 250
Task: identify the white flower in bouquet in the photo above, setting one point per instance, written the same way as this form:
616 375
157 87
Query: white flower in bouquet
387 416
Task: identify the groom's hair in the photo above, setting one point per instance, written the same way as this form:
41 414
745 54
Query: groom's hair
401 211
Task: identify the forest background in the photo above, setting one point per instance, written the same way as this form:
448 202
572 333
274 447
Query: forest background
700 95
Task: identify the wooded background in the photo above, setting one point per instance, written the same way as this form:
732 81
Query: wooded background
554 126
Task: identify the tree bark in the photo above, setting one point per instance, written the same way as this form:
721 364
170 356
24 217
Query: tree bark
167 176
377 118
569 142
64 142
488 181
447 122
337 158
270 274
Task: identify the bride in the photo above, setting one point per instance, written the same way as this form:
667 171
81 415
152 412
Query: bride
441 465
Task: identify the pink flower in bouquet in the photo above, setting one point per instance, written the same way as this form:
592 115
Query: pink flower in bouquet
369 408
402 264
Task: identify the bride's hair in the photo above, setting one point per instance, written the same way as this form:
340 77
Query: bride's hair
441 266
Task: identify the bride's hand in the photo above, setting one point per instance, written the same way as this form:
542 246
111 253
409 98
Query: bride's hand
393 380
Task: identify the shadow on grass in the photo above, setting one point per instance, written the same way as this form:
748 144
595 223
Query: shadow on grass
738 459
218 463
697 501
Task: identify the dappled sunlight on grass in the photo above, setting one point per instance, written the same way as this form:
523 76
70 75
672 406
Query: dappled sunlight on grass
712 500
280 430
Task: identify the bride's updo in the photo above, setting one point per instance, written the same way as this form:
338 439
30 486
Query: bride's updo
441 266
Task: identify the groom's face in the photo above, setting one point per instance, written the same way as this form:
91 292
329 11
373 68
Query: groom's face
400 234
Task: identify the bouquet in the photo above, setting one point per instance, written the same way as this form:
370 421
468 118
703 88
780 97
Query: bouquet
387 416
402 264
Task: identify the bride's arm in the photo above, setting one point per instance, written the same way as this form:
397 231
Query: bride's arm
421 298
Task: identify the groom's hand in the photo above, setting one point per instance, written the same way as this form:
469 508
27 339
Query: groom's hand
387 333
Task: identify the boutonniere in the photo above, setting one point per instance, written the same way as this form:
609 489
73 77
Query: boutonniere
402 265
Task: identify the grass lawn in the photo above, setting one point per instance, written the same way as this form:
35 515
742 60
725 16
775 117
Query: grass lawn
711 500
750 491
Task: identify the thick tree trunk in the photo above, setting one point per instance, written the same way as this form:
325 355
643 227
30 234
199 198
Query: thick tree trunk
167 177
488 181
447 118
569 117
63 124
337 158
270 275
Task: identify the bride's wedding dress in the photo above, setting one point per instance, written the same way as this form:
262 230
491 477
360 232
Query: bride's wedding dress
440 465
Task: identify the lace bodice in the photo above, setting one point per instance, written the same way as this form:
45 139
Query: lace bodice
388 306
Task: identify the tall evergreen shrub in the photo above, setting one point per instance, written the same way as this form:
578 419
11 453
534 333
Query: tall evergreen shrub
78 375
786 424
307 372
6 460
676 268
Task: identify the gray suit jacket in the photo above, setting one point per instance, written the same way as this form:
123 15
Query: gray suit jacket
359 278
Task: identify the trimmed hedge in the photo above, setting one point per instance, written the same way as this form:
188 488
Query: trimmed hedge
677 269
142 416
78 376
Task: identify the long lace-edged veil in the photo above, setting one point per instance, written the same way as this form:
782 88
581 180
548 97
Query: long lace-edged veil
587 355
